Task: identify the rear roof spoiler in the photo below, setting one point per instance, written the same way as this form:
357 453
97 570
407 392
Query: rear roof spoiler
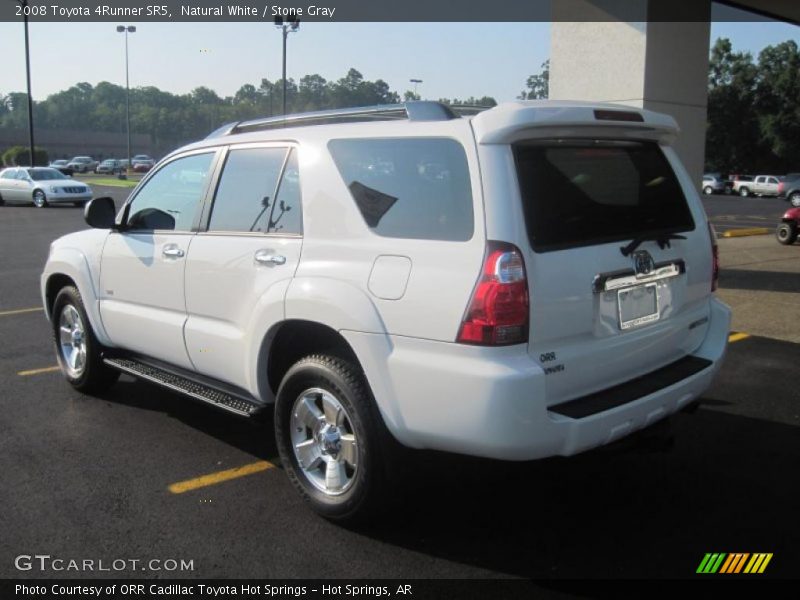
513 121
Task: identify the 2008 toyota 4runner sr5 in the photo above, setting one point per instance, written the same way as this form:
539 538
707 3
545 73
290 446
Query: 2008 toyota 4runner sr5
532 280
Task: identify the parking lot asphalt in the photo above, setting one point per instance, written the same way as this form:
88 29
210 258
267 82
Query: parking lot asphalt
730 212
94 477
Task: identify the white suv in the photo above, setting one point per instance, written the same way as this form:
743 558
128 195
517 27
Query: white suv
530 281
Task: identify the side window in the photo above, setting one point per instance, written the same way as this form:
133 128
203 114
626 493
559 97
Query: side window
10 174
287 213
169 200
22 174
773 180
245 195
408 187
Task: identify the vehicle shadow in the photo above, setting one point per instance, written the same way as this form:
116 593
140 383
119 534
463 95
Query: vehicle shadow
627 511
773 281
253 436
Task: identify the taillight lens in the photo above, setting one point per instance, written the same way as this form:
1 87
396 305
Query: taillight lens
780 188
498 310
715 257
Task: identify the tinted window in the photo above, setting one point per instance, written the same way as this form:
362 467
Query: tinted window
45 174
581 192
287 213
408 188
10 174
170 197
246 190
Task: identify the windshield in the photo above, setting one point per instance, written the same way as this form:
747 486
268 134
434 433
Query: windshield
580 192
44 174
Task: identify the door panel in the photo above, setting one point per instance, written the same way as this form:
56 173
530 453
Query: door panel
235 273
142 299
226 291
142 293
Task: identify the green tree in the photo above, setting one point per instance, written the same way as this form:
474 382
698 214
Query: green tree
537 86
777 103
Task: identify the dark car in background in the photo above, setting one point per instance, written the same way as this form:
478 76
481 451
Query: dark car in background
61 165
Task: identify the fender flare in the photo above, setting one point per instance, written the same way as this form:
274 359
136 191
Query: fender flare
73 263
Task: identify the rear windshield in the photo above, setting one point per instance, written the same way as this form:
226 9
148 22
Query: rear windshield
586 192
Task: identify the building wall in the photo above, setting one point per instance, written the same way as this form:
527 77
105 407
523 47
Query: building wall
66 143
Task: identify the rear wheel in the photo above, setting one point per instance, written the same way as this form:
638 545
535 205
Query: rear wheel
708 190
39 199
77 349
744 192
786 233
328 432
794 199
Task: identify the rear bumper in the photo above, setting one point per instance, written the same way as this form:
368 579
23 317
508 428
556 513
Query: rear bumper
491 402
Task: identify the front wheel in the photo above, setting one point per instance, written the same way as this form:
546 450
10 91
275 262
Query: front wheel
708 190
77 348
39 199
744 192
794 199
786 233
328 432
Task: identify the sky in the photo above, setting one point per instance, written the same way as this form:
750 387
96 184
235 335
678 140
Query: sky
454 60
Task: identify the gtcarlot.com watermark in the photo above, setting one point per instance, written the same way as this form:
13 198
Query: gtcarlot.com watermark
48 563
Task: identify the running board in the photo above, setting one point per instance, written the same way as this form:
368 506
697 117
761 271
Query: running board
186 386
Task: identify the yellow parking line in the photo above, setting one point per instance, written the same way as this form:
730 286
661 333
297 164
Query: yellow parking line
735 337
218 477
38 371
19 311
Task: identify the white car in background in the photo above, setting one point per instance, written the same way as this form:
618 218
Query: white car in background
41 186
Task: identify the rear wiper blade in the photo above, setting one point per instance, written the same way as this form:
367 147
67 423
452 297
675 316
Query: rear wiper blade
662 239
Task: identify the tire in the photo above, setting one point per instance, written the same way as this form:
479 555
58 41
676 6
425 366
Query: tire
39 199
2 202
708 190
77 349
744 192
794 199
326 397
786 233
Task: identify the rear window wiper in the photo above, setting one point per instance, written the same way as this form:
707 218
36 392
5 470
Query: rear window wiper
662 239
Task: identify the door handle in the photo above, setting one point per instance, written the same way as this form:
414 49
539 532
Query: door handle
263 257
172 251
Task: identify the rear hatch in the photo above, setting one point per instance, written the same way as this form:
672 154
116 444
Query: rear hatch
618 262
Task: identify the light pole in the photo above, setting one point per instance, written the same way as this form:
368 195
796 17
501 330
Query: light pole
287 28
126 30
24 5
415 82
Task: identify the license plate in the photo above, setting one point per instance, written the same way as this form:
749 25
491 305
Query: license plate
637 305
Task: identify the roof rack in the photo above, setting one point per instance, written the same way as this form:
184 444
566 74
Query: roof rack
412 111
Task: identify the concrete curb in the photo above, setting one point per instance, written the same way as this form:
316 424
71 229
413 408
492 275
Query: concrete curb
745 232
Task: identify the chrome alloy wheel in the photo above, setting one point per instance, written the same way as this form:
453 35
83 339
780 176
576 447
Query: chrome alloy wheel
324 441
72 341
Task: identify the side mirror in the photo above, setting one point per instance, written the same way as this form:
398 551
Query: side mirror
100 212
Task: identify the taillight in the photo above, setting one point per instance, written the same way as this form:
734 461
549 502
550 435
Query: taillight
780 188
498 310
715 257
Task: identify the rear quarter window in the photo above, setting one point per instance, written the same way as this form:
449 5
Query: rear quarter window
408 187
586 192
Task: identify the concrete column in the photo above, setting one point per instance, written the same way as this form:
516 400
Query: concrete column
661 66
